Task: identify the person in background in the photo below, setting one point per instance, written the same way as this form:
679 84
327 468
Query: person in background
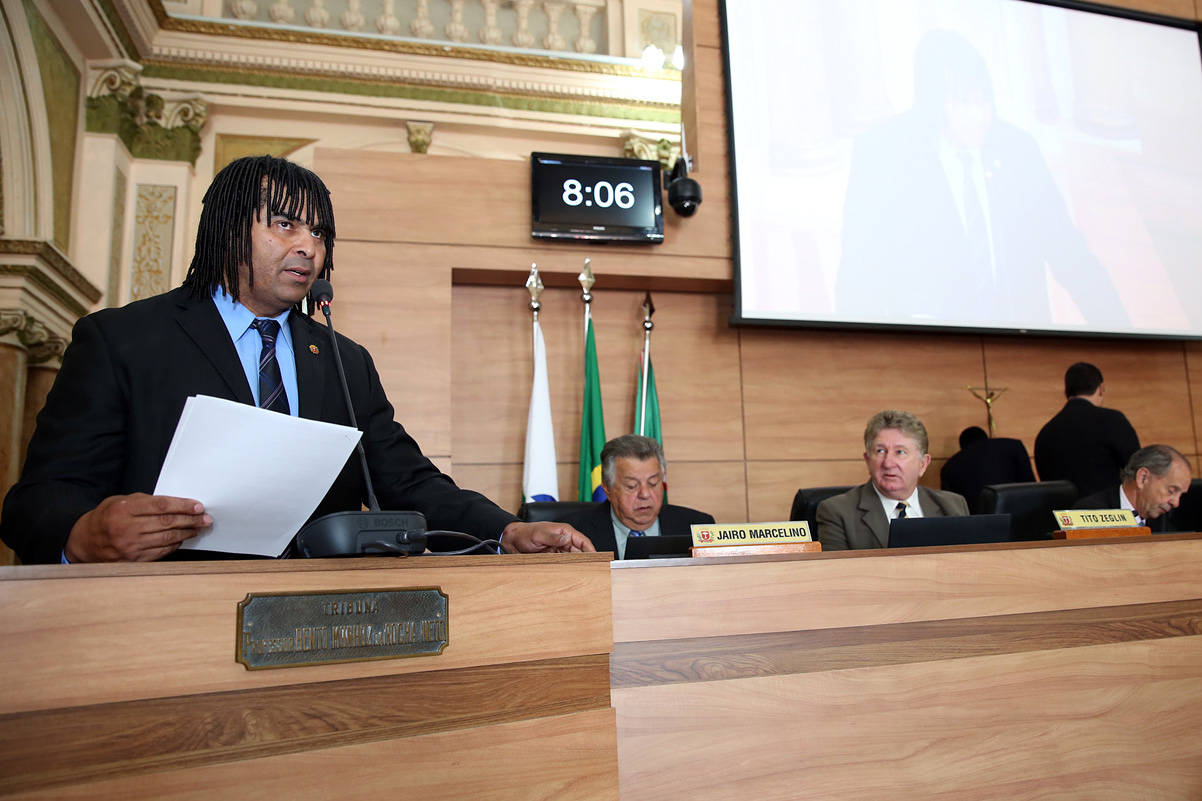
1085 443
982 461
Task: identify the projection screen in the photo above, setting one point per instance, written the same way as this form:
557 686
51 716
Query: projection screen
991 165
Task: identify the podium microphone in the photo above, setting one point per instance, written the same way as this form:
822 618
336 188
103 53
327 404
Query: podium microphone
358 532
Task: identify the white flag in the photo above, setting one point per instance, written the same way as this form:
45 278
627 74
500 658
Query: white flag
539 479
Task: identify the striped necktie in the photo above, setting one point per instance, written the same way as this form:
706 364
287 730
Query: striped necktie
901 509
271 384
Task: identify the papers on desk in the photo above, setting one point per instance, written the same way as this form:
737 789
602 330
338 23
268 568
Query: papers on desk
260 474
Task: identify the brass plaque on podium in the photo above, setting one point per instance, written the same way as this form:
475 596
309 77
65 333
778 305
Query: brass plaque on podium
279 629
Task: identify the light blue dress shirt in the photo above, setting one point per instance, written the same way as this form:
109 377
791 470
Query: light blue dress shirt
249 345
621 532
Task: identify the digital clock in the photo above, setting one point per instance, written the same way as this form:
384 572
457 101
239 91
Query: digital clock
596 198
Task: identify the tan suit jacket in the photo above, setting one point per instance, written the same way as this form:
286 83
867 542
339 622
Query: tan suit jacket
856 519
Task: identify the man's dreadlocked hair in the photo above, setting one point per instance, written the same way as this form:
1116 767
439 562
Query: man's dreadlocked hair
242 191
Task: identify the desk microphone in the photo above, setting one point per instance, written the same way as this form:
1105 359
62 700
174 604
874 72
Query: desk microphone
353 533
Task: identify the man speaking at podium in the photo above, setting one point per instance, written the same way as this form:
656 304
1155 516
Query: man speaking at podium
895 451
234 330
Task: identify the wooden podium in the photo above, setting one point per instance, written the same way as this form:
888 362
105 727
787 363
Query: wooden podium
120 682
1068 669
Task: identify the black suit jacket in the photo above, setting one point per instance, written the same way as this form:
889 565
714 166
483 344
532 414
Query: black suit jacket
1086 444
1109 499
111 414
985 462
597 525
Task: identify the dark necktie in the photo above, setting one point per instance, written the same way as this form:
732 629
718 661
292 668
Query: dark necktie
901 509
271 384
980 271
634 533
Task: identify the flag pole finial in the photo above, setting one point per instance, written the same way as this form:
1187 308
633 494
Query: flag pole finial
534 284
586 280
645 365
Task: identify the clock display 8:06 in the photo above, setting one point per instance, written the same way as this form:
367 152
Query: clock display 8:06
602 194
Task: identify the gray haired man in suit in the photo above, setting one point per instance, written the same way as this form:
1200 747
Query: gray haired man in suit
895 451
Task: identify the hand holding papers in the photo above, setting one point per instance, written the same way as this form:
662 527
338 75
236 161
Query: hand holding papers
259 474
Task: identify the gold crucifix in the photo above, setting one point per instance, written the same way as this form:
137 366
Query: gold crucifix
988 398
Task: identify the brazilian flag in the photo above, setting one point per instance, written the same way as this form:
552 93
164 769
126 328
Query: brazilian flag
592 424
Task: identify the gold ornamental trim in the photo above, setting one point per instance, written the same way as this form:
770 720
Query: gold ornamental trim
390 87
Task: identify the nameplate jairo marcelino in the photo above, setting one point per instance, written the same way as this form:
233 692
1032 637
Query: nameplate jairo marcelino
707 535
280 629
1075 519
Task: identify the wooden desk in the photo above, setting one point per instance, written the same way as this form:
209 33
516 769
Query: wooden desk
119 682
1059 670
1042 670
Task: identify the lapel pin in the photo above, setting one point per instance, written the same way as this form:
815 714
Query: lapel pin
313 349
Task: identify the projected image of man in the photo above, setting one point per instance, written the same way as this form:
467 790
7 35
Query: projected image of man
952 215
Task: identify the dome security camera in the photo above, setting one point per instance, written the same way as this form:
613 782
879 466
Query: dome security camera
684 194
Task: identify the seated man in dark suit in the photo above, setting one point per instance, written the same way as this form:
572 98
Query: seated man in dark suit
1151 485
895 451
632 473
982 461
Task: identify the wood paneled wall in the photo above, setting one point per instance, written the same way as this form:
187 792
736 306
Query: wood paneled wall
433 254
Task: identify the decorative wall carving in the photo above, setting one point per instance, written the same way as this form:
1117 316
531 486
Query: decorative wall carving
282 12
641 146
116 237
456 31
501 20
490 32
388 23
352 19
421 26
317 16
420 136
40 344
554 39
114 77
151 126
585 43
154 229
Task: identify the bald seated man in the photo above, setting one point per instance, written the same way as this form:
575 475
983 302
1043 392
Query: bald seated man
895 452
1151 485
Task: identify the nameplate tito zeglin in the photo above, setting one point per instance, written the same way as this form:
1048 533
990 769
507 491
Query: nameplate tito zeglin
277 630
1075 519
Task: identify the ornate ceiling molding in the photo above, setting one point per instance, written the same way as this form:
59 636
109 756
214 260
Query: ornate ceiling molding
258 54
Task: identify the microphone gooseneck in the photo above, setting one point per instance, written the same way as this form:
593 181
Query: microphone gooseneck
358 533
323 294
